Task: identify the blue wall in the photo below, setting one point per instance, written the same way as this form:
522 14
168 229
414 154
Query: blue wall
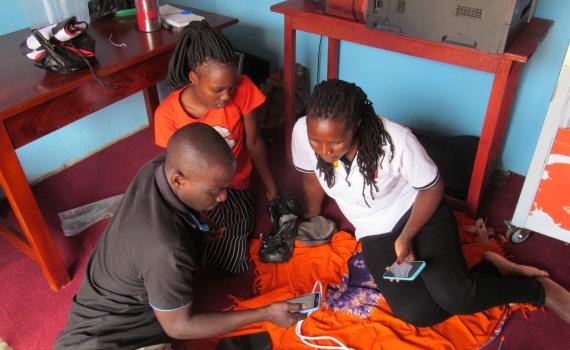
424 94
416 92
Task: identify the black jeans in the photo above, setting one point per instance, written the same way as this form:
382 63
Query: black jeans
446 287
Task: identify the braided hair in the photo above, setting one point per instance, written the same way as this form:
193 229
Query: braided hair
198 43
345 102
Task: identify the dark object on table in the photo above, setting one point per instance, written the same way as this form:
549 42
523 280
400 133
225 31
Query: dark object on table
257 341
65 48
354 10
277 245
106 8
485 25
455 157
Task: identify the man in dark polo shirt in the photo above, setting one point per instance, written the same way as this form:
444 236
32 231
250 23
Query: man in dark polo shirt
137 290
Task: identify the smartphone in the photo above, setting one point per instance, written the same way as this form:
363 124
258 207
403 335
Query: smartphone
312 302
405 271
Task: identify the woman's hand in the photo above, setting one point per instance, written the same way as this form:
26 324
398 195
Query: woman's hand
270 194
404 250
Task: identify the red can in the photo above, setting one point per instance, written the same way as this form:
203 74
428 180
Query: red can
148 15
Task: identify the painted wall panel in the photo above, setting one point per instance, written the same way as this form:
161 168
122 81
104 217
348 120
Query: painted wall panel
550 213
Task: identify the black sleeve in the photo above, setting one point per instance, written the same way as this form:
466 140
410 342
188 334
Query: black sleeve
168 280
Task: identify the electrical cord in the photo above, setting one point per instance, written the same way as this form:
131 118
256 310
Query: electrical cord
91 69
354 10
305 339
319 60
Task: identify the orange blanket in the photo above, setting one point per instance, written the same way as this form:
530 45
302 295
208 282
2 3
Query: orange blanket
366 321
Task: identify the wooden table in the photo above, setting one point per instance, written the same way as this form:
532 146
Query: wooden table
34 102
506 67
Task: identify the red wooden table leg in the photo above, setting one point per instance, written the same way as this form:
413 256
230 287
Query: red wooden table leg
28 214
332 64
151 102
501 126
492 131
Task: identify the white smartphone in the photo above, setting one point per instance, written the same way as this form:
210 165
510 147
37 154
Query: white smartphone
405 271
312 302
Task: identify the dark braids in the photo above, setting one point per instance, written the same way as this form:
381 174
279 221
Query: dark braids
197 44
347 103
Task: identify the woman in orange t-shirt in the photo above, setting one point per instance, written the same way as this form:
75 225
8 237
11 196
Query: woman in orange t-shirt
210 90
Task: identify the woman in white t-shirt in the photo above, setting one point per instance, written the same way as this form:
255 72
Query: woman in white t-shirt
390 190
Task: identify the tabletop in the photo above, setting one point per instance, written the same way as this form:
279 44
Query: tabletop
25 86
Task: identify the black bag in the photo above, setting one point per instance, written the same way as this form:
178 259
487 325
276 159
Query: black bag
66 57
105 8
277 245
63 48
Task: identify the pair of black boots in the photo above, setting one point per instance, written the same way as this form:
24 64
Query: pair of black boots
278 244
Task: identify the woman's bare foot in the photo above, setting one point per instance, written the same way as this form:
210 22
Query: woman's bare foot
509 268
556 298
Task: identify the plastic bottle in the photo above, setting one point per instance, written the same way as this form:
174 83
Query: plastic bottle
148 17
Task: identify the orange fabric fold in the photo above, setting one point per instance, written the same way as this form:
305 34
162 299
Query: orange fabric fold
378 329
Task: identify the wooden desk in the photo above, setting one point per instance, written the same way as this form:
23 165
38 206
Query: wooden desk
308 17
34 102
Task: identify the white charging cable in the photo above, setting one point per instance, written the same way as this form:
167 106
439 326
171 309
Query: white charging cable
305 339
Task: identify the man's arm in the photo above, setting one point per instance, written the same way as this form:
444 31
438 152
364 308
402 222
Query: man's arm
314 195
182 324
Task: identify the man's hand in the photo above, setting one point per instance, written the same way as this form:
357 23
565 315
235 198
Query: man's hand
284 314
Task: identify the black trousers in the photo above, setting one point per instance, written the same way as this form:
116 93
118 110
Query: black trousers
446 287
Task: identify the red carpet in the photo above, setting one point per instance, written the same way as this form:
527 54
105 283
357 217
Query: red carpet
32 315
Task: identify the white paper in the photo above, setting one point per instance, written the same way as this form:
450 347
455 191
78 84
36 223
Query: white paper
177 17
